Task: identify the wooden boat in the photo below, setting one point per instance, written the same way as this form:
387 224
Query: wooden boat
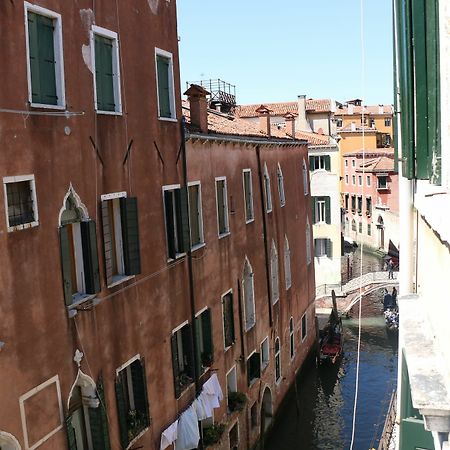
390 308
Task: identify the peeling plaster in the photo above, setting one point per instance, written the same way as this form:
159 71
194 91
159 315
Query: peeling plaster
87 19
153 5
86 52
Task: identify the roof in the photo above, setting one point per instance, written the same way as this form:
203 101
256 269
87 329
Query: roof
382 163
357 129
313 138
281 108
368 110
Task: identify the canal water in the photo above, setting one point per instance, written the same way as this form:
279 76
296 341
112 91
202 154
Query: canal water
317 413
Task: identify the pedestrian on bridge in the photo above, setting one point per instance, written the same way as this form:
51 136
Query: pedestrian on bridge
390 267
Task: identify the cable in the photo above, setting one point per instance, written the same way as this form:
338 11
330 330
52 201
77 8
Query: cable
42 113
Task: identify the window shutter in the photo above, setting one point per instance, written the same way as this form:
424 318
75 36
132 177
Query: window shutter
47 63
327 210
175 366
186 333
228 320
194 214
220 206
130 235
311 163
316 249
162 67
207 335
183 213
66 264
90 257
98 72
34 57
98 422
71 439
198 343
138 377
329 248
122 412
170 224
104 74
313 202
107 243
327 162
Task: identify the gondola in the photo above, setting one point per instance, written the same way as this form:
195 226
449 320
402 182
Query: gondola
331 337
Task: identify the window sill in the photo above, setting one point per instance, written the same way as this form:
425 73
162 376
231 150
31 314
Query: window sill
222 235
46 106
274 302
268 211
135 439
198 246
119 279
249 221
177 257
249 327
264 366
252 382
23 226
79 299
109 113
168 119
230 346
278 382
282 205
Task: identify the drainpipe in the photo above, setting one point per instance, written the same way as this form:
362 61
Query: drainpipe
266 251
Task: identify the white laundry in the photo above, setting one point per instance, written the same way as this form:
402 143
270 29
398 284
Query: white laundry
169 435
213 390
199 409
216 385
203 399
188 433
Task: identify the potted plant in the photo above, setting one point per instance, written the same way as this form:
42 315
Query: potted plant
236 401
212 434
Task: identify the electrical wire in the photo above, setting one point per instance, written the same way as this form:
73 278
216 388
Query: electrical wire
26 112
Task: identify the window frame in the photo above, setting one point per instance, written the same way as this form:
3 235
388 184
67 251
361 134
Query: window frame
291 338
58 52
113 36
305 178
19 179
225 206
264 345
353 180
253 380
229 292
304 327
185 364
368 181
252 219
386 185
202 242
248 327
308 242
287 264
277 355
280 183
274 274
346 179
173 112
267 190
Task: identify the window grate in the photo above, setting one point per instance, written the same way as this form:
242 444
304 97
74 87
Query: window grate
20 203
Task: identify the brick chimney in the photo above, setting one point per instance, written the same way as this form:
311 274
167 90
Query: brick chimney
290 124
302 123
198 106
264 119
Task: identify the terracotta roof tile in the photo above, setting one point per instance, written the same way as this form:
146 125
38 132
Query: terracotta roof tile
368 110
281 108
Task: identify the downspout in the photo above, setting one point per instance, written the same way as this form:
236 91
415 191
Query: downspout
266 251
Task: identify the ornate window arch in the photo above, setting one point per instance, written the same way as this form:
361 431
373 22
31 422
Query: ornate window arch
8 441
274 279
248 288
287 264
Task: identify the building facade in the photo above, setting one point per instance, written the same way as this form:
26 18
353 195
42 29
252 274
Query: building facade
422 43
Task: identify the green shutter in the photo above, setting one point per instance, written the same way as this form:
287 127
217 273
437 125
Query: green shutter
311 163
228 320
138 377
188 351
34 58
198 343
183 216
98 422
175 366
107 242
90 257
327 162
104 74
66 263
170 224
208 345
71 439
162 67
329 248
130 235
122 412
313 202
327 210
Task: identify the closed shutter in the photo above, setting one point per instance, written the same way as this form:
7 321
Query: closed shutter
311 163
122 412
198 343
208 346
108 242
71 439
327 162
34 57
170 223
329 247
104 74
313 203
175 364
130 235
327 210
47 61
90 257
194 214
98 422
248 196
316 248
66 263
228 320
162 67
181 196
188 351
140 390
221 206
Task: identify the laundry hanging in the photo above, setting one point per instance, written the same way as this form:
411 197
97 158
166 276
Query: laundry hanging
169 435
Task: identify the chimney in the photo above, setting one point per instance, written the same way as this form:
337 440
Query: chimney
302 123
290 124
353 126
350 109
380 109
198 106
264 119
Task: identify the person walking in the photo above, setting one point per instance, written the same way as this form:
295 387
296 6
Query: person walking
390 267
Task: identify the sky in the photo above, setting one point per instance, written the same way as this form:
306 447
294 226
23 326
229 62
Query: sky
274 51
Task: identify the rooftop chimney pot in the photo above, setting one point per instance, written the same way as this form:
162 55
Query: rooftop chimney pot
198 106
264 119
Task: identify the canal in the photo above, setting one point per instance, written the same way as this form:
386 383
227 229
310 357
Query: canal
317 413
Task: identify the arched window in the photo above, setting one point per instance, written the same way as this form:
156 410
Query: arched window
8 441
291 338
287 264
267 191
249 295
274 273
353 225
347 225
280 180
308 242
277 361
305 178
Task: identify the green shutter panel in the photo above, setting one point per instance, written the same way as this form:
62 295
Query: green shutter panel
107 243
34 58
175 366
182 203
315 248
186 336
130 235
313 202
47 63
329 248
228 317
90 257
138 377
327 210
170 224
207 336
122 412
257 365
71 440
104 74
327 162
197 337
311 163
162 67
98 72
98 422
66 262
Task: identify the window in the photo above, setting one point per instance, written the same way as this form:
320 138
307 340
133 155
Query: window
231 384
21 202
354 180
249 296
106 66
165 84
360 227
353 225
267 191
204 339
287 264
321 162
323 247
277 361
265 357
253 368
222 206
368 206
176 215
353 163
346 163
382 182
182 358
274 282
305 179
281 186
254 415
120 236
368 181
45 65
346 179
304 327
233 436
132 401
369 229
353 203
321 210
291 338
195 214
79 257
228 319
359 180
308 242
346 201
387 121
248 195
372 122
359 205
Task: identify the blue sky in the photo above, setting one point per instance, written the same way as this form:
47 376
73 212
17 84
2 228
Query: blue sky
275 50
